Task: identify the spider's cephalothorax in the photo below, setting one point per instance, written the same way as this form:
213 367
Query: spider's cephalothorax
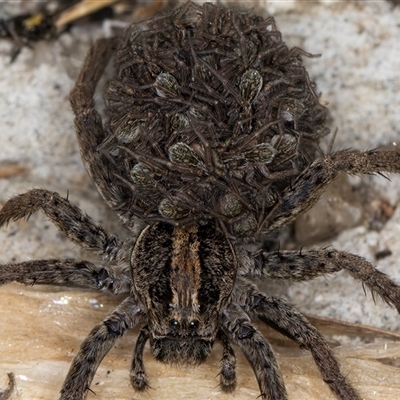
212 131
183 277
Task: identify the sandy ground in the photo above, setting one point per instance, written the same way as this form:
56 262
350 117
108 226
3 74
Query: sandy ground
42 327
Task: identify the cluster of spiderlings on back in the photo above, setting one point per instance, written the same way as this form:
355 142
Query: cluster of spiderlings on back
211 115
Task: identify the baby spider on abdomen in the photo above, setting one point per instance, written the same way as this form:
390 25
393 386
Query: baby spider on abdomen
211 137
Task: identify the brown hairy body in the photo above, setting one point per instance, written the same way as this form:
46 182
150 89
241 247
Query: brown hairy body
207 153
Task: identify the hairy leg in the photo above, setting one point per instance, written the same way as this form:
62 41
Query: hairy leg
287 320
308 187
97 344
138 372
308 264
91 134
228 365
68 272
68 218
257 350
6 393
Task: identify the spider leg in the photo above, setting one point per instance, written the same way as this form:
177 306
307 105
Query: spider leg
308 187
68 218
228 365
6 393
257 350
138 372
89 128
287 320
91 134
308 264
96 345
68 272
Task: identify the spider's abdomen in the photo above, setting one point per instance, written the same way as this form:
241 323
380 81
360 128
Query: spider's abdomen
210 115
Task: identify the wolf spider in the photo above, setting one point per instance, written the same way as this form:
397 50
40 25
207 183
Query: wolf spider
190 284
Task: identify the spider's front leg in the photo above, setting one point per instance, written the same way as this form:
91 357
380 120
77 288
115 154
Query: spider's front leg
228 363
96 345
257 350
308 187
138 373
6 393
287 320
227 375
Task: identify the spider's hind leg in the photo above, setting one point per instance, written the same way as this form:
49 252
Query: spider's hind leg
308 187
68 218
89 127
91 133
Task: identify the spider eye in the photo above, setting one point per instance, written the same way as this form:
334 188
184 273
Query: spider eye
174 324
193 325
